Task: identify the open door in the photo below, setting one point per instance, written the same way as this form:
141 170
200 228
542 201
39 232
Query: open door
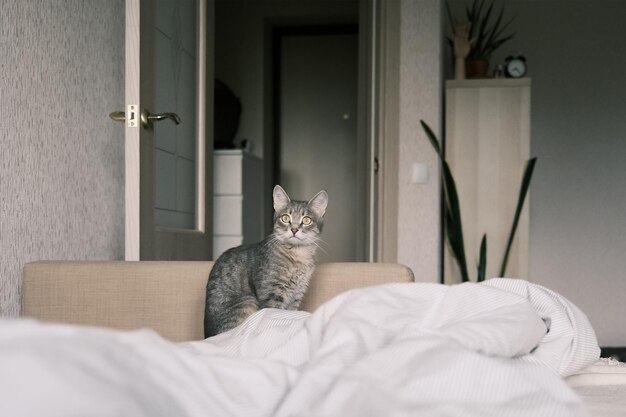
168 123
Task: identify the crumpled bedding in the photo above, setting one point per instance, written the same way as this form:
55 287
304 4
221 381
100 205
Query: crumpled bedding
499 348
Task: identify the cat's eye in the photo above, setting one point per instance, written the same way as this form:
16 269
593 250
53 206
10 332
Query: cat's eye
306 220
285 218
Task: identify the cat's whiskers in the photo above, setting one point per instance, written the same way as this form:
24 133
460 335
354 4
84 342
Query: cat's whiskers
315 241
272 242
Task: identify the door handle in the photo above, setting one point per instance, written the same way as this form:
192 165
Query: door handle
118 116
146 118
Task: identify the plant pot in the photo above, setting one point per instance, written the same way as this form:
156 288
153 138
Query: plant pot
477 68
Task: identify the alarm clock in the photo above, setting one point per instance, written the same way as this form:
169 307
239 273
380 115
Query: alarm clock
515 66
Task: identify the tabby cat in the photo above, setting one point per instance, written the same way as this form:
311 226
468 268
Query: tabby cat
272 273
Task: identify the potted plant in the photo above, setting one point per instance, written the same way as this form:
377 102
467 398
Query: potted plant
486 34
452 216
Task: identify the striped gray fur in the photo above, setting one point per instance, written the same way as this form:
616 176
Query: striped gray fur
273 273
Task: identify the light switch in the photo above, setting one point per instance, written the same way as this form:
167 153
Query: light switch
420 173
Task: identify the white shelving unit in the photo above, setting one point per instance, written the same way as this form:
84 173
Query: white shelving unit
238 210
487 146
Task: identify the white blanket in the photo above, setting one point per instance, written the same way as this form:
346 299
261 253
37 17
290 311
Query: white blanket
392 350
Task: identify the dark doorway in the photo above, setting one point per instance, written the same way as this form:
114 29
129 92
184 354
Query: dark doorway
315 86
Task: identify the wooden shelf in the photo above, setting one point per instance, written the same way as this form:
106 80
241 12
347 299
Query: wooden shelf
489 82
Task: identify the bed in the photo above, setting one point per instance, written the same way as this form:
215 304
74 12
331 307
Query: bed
115 339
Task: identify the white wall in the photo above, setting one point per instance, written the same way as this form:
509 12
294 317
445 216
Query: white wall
62 160
576 55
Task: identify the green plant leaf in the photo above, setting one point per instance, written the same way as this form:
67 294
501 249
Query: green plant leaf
485 36
496 31
450 17
433 139
493 33
472 12
483 32
452 215
454 227
482 260
528 173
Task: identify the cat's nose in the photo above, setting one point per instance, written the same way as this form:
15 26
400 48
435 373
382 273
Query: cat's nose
294 230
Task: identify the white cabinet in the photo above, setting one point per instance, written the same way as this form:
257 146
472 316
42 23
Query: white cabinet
238 210
487 146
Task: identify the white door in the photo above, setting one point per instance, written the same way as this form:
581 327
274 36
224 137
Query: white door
318 134
168 129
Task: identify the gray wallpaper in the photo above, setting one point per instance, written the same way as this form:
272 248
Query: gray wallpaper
419 238
61 158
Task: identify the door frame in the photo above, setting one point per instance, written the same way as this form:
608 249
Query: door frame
131 131
384 101
379 34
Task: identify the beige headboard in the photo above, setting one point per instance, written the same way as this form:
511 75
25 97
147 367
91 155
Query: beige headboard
165 296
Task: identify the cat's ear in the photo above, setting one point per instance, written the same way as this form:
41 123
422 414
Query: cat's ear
318 203
281 199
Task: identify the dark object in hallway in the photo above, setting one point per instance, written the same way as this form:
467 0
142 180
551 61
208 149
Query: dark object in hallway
227 110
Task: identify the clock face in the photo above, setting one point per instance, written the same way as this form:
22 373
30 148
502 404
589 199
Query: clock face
516 68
